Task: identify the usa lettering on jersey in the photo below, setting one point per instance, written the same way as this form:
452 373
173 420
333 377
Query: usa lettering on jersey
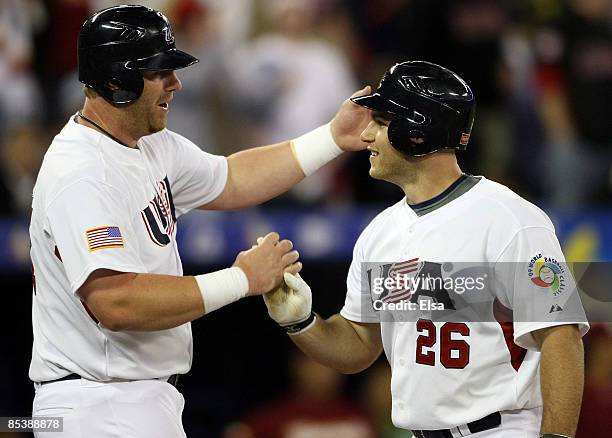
160 216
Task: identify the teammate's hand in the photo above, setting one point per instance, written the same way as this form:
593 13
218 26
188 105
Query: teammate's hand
265 263
349 123
291 302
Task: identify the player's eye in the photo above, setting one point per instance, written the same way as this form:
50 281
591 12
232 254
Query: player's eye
153 74
380 118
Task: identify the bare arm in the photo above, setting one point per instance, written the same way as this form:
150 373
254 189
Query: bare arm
149 302
562 378
257 175
144 302
346 346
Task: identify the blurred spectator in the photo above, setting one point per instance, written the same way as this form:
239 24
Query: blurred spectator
210 30
595 416
314 407
19 95
520 85
575 75
58 48
21 155
391 31
469 42
288 81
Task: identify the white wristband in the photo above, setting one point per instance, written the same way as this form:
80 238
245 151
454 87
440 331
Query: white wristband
222 287
315 148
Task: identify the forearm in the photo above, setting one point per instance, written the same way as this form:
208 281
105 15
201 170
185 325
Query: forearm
336 343
147 302
562 380
260 174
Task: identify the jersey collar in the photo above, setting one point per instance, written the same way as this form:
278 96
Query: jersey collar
456 189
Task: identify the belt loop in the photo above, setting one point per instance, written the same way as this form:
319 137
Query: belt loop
456 432
464 430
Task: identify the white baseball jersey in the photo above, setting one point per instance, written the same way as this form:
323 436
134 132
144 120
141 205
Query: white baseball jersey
477 356
100 205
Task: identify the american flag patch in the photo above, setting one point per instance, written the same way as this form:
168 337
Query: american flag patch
401 292
104 237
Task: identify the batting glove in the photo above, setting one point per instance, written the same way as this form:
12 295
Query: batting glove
290 305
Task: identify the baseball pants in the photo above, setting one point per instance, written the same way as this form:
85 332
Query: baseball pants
133 409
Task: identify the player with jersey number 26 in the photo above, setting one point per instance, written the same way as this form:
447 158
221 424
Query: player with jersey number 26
518 374
111 308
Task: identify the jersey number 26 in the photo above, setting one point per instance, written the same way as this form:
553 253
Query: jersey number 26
448 345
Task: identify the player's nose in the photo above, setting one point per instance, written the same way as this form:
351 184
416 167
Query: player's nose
173 82
369 133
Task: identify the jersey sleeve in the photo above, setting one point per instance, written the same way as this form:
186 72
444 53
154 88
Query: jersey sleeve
358 304
538 285
197 177
91 229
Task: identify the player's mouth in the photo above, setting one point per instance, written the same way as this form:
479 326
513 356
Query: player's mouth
373 152
165 105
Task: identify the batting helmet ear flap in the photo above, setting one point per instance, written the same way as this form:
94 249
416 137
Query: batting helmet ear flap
397 134
123 87
409 139
413 140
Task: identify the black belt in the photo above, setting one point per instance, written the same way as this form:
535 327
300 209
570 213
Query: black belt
173 379
489 422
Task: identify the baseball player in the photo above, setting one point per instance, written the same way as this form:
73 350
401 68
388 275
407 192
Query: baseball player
515 370
111 309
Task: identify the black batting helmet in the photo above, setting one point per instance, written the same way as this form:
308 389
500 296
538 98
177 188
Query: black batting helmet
432 107
116 43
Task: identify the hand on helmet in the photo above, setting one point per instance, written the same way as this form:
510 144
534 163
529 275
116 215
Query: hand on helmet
349 123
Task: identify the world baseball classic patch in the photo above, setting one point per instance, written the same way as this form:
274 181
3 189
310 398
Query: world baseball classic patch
104 237
547 273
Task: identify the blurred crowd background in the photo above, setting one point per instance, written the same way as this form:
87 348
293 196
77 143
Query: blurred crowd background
273 69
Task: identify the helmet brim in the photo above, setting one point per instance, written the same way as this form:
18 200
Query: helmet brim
172 59
376 102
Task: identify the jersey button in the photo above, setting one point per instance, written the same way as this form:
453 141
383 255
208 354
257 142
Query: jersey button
402 362
400 405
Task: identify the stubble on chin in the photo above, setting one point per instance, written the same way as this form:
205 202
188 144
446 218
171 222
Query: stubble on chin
158 125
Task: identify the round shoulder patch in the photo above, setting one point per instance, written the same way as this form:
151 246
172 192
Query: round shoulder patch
547 272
